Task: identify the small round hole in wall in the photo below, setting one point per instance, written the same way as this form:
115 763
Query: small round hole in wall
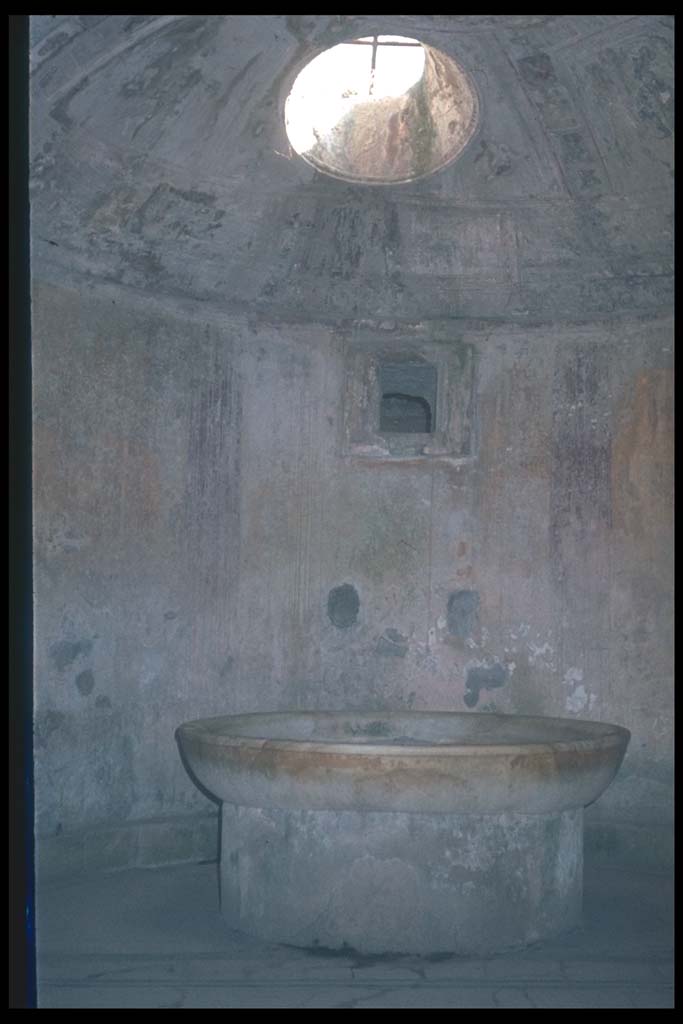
342 606
381 110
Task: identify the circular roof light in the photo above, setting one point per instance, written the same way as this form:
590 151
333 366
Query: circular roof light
381 110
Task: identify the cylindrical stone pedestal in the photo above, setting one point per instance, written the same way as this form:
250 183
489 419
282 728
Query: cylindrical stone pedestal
381 882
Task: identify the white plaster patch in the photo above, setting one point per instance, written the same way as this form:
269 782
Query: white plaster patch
520 631
577 700
150 665
573 676
542 653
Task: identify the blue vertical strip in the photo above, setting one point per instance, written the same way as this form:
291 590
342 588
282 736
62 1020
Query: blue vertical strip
21 864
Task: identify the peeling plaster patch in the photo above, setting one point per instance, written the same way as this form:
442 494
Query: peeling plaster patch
482 675
536 651
522 631
424 658
439 630
573 676
392 643
579 700
463 613
542 654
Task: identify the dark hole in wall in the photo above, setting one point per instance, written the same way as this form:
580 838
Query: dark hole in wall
483 678
405 414
342 606
408 397
463 613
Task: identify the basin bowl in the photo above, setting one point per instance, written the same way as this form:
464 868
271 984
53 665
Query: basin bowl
417 832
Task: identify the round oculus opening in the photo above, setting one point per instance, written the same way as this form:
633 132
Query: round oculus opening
381 110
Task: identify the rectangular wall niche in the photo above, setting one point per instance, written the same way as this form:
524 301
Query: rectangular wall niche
407 398
409 401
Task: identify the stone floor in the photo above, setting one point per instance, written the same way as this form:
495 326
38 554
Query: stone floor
154 938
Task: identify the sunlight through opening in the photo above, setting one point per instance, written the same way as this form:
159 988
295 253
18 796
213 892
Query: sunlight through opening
380 109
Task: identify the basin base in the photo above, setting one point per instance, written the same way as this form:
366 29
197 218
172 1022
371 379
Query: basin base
382 882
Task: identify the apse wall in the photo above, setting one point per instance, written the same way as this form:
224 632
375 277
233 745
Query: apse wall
210 317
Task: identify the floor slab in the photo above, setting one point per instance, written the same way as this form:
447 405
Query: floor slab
155 938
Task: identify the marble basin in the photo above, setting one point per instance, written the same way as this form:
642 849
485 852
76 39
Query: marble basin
412 832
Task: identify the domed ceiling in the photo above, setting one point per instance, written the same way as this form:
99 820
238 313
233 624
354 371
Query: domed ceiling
160 161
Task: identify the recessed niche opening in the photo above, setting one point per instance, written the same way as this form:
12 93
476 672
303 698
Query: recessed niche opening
381 110
407 398
404 414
